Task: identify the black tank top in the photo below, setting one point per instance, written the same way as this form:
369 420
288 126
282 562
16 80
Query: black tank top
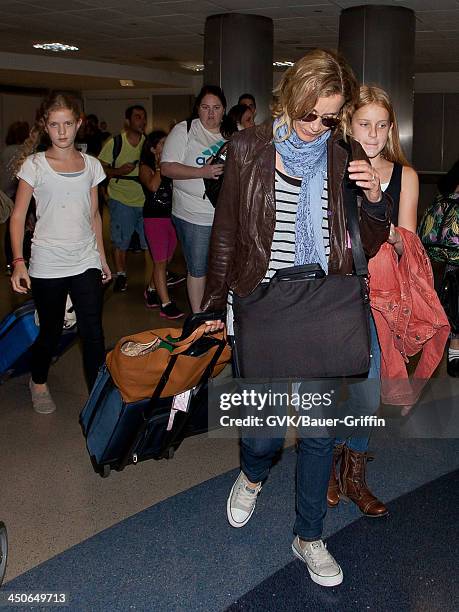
394 188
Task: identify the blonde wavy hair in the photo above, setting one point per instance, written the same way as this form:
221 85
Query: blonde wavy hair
372 94
55 101
319 74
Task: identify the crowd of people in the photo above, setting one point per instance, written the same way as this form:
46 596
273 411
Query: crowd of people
289 189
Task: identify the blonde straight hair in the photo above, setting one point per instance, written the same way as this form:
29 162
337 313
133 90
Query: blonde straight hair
319 74
372 94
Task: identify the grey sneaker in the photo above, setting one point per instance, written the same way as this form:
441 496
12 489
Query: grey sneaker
241 501
41 400
322 567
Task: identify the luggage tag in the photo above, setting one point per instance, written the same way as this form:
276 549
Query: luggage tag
348 241
180 403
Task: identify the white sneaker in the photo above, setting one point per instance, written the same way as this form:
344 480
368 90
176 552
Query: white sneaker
241 501
42 401
322 567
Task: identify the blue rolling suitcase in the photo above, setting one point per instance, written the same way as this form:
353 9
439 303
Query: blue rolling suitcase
119 433
18 331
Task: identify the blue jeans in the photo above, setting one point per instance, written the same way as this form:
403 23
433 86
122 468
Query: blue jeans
312 475
194 240
366 398
124 221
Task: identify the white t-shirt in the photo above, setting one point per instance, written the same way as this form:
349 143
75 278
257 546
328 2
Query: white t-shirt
191 149
64 243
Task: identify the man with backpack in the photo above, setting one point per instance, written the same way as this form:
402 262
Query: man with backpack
120 157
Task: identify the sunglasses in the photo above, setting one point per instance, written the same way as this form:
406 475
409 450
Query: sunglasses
329 122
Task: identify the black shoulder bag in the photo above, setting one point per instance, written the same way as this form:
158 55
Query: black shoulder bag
213 186
304 324
162 198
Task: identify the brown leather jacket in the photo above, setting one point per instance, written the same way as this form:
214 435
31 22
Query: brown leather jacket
245 216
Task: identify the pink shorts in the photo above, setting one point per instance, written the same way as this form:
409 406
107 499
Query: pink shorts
161 237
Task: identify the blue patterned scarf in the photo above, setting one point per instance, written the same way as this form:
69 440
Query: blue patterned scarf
307 160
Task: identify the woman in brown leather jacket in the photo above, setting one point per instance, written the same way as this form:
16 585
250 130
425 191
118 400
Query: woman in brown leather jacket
281 205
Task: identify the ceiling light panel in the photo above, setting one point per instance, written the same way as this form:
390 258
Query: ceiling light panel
57 47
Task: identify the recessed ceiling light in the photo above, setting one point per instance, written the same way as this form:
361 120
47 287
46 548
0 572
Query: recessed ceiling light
56 47
126 83
282 64
194 67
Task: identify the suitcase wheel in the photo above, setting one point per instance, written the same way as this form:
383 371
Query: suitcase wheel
102 470
105 471
3 551
5 376
170 453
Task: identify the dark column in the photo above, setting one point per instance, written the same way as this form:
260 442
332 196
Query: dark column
238 56
378 42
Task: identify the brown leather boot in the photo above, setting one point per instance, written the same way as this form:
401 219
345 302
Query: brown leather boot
353 485
333 484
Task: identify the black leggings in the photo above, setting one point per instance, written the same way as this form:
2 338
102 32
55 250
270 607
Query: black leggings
50 295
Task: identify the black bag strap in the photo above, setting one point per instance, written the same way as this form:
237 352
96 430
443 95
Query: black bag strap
353 227
170 366
117 146
189 121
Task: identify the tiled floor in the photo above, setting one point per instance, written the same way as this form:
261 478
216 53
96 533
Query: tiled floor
50 498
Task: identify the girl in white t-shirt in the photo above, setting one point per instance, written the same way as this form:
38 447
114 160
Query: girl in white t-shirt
68 254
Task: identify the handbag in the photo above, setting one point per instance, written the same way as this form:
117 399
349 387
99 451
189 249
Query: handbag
213 186
162 198
449 298
439 229
305 324
140 361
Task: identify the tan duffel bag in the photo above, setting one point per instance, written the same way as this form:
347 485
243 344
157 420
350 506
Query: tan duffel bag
139 362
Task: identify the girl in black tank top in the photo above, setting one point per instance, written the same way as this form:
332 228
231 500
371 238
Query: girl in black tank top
393 189
374 125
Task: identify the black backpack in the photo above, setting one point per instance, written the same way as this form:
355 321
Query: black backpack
449 298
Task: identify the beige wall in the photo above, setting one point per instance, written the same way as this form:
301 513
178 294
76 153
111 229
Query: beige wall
110 107
163 110
169 110
16 107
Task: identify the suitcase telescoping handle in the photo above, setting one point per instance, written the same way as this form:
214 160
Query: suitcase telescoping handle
192 322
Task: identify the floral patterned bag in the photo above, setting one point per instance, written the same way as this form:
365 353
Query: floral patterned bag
439 229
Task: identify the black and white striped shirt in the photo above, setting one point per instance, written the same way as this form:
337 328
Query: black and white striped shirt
287 191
